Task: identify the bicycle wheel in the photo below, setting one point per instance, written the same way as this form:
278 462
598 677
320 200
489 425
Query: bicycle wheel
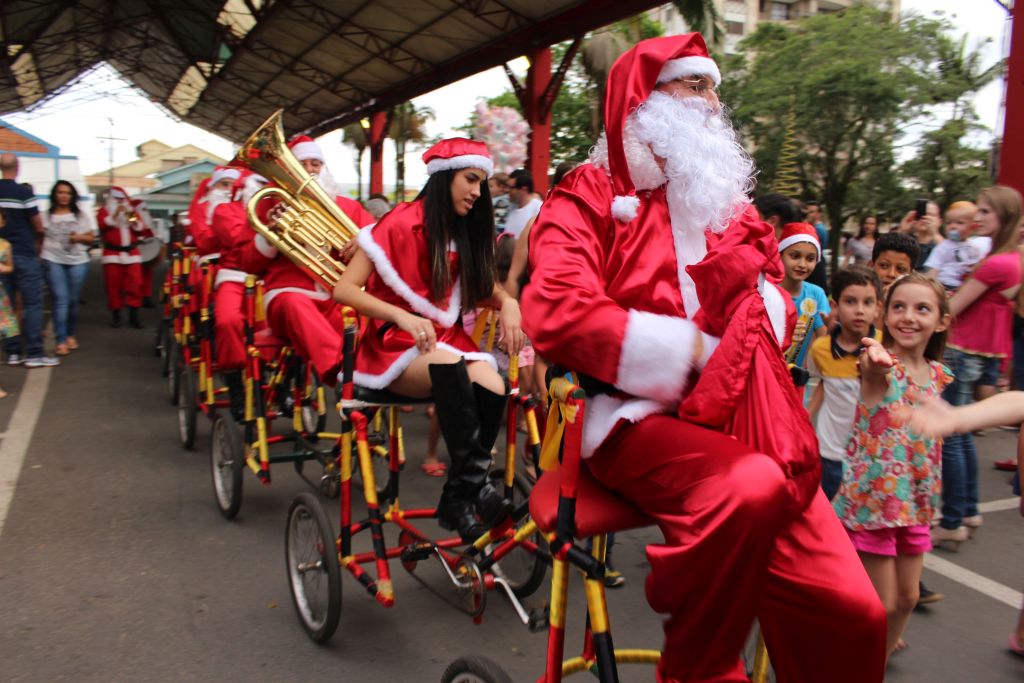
173 369
523 569
227 462
187 408
474 669
311 558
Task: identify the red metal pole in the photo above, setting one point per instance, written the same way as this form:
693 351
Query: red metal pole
1011 155
538 151
378 131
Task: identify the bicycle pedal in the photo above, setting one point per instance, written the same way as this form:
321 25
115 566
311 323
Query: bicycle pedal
417 552
539 618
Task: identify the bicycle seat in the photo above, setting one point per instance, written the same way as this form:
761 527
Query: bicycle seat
265 338
383 397
598 510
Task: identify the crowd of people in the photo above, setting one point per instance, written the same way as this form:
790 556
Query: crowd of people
779 419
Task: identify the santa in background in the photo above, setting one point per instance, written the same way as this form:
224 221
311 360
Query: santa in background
651 275
298 307
146 220
120 231
211 193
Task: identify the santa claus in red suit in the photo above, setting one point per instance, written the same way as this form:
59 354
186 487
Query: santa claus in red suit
146 220
232 232
120 231
298 308
415 272
651 275
211 193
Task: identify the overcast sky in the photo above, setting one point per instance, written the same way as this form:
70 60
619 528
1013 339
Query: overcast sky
77 120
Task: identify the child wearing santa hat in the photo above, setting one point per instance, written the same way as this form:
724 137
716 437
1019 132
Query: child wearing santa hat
800 252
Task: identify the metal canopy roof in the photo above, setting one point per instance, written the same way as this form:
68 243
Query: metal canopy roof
225 65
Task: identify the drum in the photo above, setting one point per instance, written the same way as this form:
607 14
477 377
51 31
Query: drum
150 248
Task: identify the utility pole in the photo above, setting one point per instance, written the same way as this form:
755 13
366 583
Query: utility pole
110 141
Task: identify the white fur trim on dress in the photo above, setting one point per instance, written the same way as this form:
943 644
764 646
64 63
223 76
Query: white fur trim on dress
796 239
624 208
207 258
397 285
462 161
229 275
657 356
603 412
307 150
690 66
385 379
315 294
775 305
264 247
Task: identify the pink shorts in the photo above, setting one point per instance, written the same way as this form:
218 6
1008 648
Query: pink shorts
903 540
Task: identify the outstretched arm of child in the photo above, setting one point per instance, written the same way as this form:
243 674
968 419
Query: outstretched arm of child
875 364
937 418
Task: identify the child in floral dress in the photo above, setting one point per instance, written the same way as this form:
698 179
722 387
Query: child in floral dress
8 320
892 482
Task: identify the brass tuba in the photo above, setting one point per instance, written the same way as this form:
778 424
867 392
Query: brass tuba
312 226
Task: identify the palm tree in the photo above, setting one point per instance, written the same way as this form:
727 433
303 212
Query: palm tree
701 16
408 125
358 138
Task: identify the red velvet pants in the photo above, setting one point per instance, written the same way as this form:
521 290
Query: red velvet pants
123 282
314 329
229 324
735 548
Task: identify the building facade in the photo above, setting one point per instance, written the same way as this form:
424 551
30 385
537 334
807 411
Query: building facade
41 164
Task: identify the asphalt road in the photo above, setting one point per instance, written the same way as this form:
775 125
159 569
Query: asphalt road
115 564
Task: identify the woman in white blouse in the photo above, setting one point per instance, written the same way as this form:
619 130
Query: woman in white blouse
69 232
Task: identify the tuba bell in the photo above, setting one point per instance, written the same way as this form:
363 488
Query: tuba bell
311 228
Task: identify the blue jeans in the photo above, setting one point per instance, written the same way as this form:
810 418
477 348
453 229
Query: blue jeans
27 278
959 457
66 287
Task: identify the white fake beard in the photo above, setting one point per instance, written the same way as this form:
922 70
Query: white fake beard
215 198
709 174
326 181
112 205
253 184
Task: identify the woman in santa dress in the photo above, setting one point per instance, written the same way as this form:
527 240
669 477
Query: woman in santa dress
415 271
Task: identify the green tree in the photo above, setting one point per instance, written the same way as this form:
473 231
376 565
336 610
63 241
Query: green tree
850 101
358 138
408 126
945 168
702 16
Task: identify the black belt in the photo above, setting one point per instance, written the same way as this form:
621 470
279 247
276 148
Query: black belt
113 247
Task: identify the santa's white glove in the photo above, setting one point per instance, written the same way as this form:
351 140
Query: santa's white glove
710 344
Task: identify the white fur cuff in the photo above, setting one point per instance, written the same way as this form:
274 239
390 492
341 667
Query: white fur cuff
657 356
775 305
690 66
624 208
264 247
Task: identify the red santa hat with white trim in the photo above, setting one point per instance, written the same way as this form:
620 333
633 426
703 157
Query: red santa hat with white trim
305 147
794 233
224 173
117 192
631 80
455 153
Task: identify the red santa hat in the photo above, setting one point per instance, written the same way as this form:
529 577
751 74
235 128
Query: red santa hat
117 193
794 233
632 79
304 147
224 173
456 153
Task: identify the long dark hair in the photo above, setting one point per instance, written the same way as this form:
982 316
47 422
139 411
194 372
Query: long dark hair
863 221
74 197
473 234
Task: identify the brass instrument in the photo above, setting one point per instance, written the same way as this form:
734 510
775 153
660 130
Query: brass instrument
311 226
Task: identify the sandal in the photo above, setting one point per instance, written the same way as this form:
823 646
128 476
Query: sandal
72 343
434 469
61 350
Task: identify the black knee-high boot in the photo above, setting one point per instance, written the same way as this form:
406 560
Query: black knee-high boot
236 393
466 492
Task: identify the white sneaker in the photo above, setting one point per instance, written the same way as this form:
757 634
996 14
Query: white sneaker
15 359
41 362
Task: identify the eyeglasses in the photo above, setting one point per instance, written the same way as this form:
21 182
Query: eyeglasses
700 86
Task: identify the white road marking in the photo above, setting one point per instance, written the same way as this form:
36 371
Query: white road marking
999 505
19 434
984 585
